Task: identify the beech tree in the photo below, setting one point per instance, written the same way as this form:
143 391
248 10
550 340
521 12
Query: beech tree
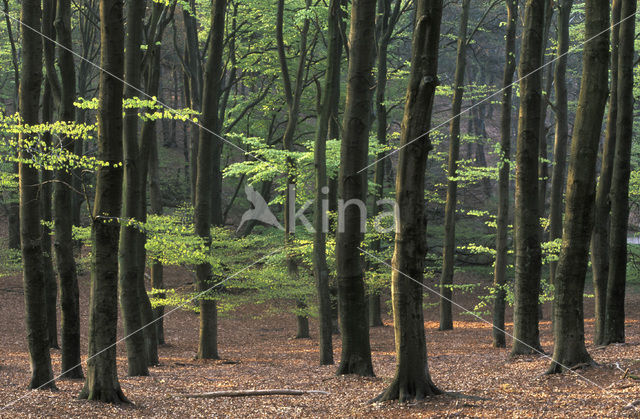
131 273
354 325
568 325
502 221
209 148
101 381
600 235
412 380
527 218
615 317
449 246
321 270
30 227
62 198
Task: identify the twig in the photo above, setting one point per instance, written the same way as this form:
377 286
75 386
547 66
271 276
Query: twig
251 393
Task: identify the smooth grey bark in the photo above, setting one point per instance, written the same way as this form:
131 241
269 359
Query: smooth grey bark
600 235
527 218
500 270
568 323
562 129
209 145
101 383
412 379
615 317
293 96
449 245
131 273
354 324
62 202
30 228
321 271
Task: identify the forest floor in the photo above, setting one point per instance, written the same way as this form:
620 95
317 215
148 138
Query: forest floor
259 352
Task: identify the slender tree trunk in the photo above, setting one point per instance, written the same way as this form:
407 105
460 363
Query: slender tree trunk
543 168
293 96
321 271
209 145
600 235
62 203
130 271
615 317
356 349
13 217
157 277
101 383
562 128
412 379
527 217
161 15
195 84
500 274
30 228
46 177
449 246
569 349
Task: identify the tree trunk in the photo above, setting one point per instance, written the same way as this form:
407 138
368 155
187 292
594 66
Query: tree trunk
356 350
449 246
101 383
46 177
30 228
293 96
500 274
13 217
615 317
543 168
62 202
562 128
600 235
208 146
130 271
527 217
157 280
568 325
412 379
321 271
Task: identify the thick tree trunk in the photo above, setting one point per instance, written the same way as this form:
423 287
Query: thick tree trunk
321 271
449 246
412 379
101 383
130 272
209 145
600 235
527 218
562 128
500 274
568 324
356 349
30 228
615 317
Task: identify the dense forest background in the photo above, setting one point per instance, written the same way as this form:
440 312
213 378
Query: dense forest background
489 150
